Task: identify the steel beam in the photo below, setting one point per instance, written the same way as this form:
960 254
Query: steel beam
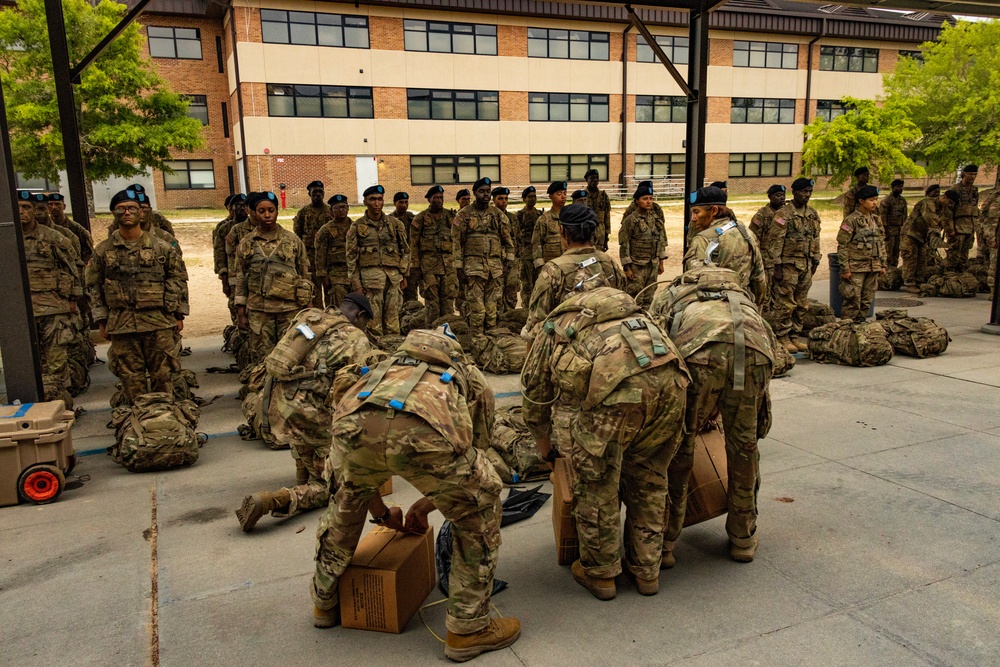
697 118
651 41
75 72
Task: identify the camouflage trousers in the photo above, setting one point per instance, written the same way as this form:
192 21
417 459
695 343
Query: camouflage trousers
266 329
483 295
644 276
892 245
410 291
618 453
511 287
386 302
369 447
857 294
81 354
915 255
958 251
55 335
139 354
315 490
789 299
298 415
745 417
439 296
335 293
527 280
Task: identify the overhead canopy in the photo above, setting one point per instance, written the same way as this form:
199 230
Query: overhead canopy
961 7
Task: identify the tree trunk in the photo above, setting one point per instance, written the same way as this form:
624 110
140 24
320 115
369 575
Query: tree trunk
89 184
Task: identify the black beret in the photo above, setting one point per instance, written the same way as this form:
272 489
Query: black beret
971 169
579 194
802 184
314 184
362 302
241 198
867 192
952 195
861 170
229 201
141 198
500 191
718 184
485 180
642 191
336 199
557 186
124 195
374 190
257 197
530 190
54 196
576 215
931 188
896 182
648 184
774 189
591 172
710 196
24 195
434 190
400 195
462 193
136 187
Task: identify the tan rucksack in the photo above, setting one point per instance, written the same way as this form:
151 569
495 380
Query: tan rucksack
892 280
850 344
514 446
499 351
156 433
816 315
256 405
913 336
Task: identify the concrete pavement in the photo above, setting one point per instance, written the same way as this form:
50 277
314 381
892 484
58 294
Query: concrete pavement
879 525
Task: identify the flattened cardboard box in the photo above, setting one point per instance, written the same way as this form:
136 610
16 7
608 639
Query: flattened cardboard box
563 521
388 579
386 489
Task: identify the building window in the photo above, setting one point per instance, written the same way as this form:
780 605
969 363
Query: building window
848 59
676 49
313 29
760 164
189 175
830 109
762 110
658 165
660 109
438 37
43 184
765 54
452 104
319 101
575 107
197 108
548 168
182 43
453 169
914 55
571 44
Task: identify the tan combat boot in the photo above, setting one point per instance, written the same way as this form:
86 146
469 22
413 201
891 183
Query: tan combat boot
602 589
667 559
644 586
326 618
912 289
799 345
744 554
259 504
788 345
500 633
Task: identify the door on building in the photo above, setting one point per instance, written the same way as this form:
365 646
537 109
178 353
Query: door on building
367 173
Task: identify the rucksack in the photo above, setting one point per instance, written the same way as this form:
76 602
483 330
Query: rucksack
892 280
850 344
816 315
513 320
913 336
412 316
951 284
255 408
499 351
307 330
784 362
156 433
512 443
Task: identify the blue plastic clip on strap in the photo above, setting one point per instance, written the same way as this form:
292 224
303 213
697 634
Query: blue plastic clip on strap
364 394
364 370
398 405
446 377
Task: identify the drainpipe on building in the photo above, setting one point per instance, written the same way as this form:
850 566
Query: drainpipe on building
624 116
809 68
239 97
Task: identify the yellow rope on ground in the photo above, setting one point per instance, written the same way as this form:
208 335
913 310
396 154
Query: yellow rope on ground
434 604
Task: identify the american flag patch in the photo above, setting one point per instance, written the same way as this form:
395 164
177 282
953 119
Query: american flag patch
846 227
780 221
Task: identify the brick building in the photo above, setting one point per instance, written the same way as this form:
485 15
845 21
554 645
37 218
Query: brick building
411 93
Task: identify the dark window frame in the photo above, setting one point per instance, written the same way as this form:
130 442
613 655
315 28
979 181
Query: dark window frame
673 106
830 109
848 59
160 40
483 37
320 94
483 165
914 54
436 98
677 48
186 169
765 165
297 26
747 110
199 102
572 103
549 43
570 166
766 53
671 162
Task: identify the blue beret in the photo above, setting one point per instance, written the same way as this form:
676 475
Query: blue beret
774 189
314 184
867 192
257 197
579 194
400 195
54 196
642 191
591 172
802 183
123 196
136 187
242 198
462 193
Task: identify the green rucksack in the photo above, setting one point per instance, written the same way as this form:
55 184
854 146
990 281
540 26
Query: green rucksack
156 433
850 344
913 336
255 407
499 351
512 443
816 315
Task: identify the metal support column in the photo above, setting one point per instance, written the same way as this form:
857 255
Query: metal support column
18 345
694 172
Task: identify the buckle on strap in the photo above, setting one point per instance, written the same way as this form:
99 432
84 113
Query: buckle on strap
725 228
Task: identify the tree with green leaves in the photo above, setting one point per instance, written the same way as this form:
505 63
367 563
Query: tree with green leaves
953 96
129 119
870 135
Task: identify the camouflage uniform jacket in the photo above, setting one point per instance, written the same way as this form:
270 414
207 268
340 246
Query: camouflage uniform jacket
156 218
923 220
137 286
793 238
711 321
374 249
233 238
861 243
65 232
53 273
892 212
82 235
990 213
761 221
481 241
851 200
966 211
657 211
269 269
642 239
737 250
600 204
524 228
307 222
431 241
561 278
407 219
511 226
219 257
546 238
331 251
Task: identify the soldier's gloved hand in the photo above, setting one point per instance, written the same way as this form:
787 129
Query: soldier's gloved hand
845 275
659 269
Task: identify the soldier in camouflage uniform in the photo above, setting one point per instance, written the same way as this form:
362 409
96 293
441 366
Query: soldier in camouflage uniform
233 238
892 215
426 415
511 285
642 246
989 219
605 387
402 212
861 255
55 284
546 243
760 223
960 230
580 268
152 229
718 239
331 251
524 227
727 381
657 209
378 261
56 204
431 255
302 373
272 277
463 197
861 176
153 217
791 257
921 238
600 204
138 292
481 248
237 205
42 217
306 223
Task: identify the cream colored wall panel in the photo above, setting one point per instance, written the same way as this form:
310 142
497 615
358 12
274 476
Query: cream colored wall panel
834 85
656 137
515 137
720 81
652 79
392 137
548 138
763 82
237 130
759 139
258 134
350 67
783 138
252 58
563 76
717 137
287 60
231 74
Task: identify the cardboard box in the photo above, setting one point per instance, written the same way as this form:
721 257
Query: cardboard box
388 579
386 488
563 522
707 488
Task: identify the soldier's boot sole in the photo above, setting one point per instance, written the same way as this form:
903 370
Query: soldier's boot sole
744 554
326 618
912 289
602 589
253 508
500 633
